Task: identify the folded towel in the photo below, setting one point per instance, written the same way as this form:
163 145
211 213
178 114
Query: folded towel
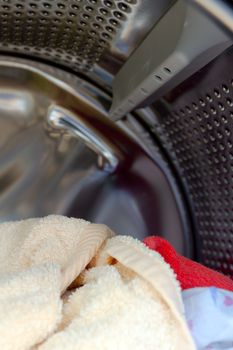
126 295
129 299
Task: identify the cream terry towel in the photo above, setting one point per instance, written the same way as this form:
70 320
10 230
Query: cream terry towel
127 296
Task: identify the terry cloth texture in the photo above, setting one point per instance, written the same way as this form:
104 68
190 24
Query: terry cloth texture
126 296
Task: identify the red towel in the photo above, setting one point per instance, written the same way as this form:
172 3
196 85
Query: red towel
189 273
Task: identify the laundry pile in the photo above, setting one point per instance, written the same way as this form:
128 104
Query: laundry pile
68 284
207 296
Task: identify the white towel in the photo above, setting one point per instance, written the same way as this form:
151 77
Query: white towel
116 308
39 258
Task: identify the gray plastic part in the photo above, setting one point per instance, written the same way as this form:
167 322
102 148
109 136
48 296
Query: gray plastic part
178 40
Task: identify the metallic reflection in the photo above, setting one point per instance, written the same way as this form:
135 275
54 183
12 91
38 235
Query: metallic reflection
63 119
15 103
45 168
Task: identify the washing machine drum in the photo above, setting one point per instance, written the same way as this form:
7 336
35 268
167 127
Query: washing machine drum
121 112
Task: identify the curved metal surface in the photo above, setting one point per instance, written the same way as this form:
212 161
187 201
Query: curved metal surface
220 10
46 169
65 120
93 37
194 125
51 121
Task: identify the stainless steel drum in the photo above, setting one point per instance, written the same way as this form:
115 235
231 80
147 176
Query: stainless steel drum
121 112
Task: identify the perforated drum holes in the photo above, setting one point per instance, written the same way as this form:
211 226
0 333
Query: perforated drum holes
198 136
64 25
